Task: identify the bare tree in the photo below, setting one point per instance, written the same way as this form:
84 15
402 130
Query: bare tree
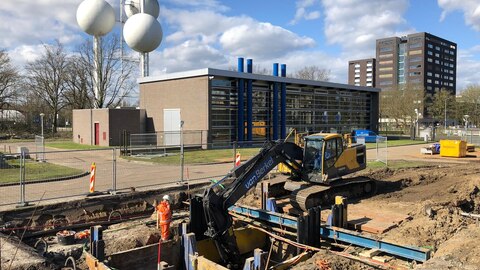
399 104
313 73
77 94
46 78
115 76
9 80
469 103
441 103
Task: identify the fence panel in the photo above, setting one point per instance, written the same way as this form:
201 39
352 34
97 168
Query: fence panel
39 148
382 149
61 174
10 178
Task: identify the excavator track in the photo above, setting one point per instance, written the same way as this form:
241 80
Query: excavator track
311 195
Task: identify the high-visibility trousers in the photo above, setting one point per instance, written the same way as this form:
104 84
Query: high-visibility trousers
165 229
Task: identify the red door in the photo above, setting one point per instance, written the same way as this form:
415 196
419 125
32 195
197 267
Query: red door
97 134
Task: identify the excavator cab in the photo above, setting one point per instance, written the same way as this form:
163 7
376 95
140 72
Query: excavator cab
326 158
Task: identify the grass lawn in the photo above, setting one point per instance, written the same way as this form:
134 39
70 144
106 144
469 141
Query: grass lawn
35 171
226 155
393 143
69 145
200 156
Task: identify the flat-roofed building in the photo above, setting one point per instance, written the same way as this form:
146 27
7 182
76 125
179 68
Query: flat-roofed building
236 106
362 72
420 58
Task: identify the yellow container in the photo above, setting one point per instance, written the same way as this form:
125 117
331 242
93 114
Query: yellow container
453 148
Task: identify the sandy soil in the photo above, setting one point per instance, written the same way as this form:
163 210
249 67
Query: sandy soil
433 197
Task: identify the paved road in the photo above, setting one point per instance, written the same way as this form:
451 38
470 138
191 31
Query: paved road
145 175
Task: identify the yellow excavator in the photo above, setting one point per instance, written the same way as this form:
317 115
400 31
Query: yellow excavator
327 157
316 178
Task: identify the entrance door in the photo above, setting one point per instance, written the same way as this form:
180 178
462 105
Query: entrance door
171 126
97 133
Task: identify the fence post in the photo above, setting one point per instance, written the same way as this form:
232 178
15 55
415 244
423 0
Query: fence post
114 172
234 152
22 180
182 155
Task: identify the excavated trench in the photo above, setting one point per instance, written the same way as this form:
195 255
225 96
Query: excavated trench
432 196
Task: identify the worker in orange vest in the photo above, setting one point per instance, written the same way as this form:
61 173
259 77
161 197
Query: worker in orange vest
164 217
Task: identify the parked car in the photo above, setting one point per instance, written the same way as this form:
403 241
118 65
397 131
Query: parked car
370 136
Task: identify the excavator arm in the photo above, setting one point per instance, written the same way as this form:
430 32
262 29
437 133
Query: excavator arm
219 197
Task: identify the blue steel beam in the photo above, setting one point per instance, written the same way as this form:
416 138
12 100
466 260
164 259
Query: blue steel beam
275 103
327 232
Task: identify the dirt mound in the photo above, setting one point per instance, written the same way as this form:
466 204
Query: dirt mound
122 237
434 197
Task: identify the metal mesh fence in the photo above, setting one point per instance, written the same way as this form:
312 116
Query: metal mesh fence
60 174
382 149
161 141
39 148
470 135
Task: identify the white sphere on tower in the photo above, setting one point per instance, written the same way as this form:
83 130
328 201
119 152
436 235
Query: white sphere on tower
142 32
96 17
151 7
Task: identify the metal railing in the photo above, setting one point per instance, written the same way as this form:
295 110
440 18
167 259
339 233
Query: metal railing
64 174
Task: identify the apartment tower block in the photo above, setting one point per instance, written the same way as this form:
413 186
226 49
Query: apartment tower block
417 59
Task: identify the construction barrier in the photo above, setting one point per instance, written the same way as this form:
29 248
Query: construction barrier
93 168
238 160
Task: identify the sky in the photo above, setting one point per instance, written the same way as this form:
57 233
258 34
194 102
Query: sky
298 33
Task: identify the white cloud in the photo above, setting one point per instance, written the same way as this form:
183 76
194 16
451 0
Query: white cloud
356 24
186 56
302 12
201 4
23 54
467 68
206 25
27 22
228 36
470 9
262 41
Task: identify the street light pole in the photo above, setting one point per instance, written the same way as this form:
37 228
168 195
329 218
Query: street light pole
41 122
445 122
416 123
43 138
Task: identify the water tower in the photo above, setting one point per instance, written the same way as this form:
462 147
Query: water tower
96 18
142 32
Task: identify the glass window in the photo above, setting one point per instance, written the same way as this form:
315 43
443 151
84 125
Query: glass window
330 152
415 59
388 55
415 52
388 62
416 45
386 49
385 83
385 75
429 73
430 46
313 155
